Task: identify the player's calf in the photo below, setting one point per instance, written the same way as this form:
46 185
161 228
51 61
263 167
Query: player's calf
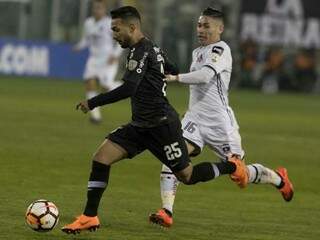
201 172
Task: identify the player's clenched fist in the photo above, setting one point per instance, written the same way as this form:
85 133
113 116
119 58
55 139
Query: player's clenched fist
171 78
83 106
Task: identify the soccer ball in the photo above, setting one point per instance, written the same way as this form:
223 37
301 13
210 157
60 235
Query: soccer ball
42 215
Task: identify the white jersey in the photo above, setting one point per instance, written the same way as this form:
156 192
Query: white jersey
209 101
97 36
210 120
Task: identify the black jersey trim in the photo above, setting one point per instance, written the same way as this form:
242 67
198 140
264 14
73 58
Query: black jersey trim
208 66
219 86
164 172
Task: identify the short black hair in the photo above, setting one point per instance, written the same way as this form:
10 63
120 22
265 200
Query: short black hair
126 12
213 12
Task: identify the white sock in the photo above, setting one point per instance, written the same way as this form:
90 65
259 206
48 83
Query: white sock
168 188
261 174
95 113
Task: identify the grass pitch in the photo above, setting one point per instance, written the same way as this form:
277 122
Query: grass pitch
46 148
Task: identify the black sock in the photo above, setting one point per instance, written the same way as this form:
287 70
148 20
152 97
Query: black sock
202 172
97 183
226 167
168 212
281 183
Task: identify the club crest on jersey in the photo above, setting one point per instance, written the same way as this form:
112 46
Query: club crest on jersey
132 64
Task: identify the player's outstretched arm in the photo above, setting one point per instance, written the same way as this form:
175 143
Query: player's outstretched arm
197 77
171 78
124 91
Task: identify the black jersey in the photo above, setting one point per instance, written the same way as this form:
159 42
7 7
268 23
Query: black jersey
145 66
144 84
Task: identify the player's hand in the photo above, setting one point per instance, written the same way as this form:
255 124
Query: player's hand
171 78
83 106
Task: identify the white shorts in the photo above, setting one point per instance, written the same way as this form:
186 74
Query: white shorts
99 69
222 143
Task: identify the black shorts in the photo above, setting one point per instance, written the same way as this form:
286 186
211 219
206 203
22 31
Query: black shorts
165 142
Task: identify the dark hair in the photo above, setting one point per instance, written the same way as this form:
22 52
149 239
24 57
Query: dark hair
213 12
126 12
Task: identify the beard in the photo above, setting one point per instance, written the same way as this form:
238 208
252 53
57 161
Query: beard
125 43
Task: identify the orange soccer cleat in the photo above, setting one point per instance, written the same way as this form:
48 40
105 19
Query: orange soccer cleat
240 175
287 188
161 218
81 223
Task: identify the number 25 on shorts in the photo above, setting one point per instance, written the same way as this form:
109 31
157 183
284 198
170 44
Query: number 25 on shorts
172 151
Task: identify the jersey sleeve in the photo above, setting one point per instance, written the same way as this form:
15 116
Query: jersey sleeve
136 66
218 59
83 43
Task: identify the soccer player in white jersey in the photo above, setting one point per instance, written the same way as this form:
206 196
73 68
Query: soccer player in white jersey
102 63
210 120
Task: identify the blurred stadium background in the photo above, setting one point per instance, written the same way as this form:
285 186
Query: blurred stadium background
275 43
46 146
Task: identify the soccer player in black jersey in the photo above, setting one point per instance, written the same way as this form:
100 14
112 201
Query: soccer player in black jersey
155 124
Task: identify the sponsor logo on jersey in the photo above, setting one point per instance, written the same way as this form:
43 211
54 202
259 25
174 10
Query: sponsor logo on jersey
218 50
216 53
141 64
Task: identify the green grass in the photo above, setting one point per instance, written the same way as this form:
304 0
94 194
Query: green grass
46 148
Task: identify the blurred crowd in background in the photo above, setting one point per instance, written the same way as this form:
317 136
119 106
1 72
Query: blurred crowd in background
275 43
275 69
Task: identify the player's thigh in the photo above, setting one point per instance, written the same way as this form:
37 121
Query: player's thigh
107 76
192 134
90 84
91 70
236 144
167 144
109 152
128 139
225 146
